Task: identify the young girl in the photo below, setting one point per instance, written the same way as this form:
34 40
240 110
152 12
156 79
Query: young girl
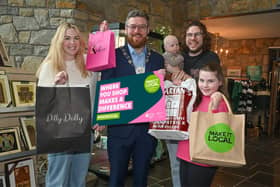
210 80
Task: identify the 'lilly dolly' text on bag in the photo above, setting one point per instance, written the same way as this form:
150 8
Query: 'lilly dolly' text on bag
217 138
63 119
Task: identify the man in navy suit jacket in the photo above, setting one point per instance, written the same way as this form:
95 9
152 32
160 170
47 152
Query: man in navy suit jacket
132 141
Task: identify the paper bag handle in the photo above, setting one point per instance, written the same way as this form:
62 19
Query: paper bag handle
226 101
68 90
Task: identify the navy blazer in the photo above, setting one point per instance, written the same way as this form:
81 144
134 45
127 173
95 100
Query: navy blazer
123 68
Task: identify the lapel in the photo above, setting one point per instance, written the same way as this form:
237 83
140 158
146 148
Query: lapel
128 57
147 58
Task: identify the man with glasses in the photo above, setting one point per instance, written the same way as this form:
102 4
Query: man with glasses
197 48
127 141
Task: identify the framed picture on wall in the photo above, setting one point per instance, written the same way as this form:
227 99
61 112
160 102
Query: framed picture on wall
21 173
29 130
5 94
234 71
4 58
9 141
24 93
2 181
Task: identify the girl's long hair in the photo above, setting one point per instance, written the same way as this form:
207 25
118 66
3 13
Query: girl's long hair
217 69
56 52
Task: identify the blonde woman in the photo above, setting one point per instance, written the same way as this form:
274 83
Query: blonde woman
65 62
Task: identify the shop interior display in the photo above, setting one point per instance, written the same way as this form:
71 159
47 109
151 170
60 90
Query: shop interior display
17 127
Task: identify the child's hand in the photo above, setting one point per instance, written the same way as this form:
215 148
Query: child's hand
180 76
61 77
177 82
216 98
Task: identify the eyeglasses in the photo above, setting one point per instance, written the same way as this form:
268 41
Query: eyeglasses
196 34
142 27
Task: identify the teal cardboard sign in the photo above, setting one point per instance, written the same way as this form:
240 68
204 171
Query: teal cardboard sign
131 99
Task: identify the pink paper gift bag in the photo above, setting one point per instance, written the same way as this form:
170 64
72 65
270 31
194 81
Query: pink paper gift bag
101 51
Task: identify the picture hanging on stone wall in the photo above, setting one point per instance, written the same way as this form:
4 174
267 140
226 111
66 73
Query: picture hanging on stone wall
1 61
24 93
29 130
21 173
2 181
5 94
9 141
3 55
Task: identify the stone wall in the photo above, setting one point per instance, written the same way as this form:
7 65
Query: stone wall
27 26
198 9
243 53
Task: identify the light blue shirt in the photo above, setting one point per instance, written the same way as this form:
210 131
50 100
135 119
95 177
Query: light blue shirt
138 59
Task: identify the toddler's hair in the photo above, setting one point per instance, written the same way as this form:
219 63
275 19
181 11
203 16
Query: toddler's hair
174 59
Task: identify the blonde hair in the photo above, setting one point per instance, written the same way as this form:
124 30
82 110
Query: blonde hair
56 52
167 39
174 59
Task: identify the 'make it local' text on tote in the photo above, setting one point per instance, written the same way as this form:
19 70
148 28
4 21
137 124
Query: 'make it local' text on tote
63 119
101 51
217 138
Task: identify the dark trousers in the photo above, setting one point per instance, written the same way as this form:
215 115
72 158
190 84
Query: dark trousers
195 175
140 147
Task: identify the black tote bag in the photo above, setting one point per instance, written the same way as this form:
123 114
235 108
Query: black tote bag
63 119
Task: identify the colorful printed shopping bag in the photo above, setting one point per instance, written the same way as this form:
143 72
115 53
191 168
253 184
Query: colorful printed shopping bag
179 105
101 51
217 138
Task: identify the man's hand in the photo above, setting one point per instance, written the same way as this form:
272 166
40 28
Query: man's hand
103 26
97 127
162 71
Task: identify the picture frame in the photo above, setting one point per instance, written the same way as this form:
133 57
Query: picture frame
233 71
5 94
21 173
4 58
29 130
2 181
9 141
24 93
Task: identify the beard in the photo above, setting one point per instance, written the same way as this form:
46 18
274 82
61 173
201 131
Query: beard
139 43
195 51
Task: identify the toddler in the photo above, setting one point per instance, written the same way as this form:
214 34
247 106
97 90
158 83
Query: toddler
174 62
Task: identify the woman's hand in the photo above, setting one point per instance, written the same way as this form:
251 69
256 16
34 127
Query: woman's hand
97 127
61 77
216 98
